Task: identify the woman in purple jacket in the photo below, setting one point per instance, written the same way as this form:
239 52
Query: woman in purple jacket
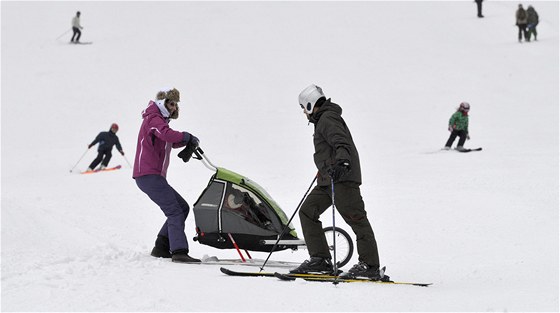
155 141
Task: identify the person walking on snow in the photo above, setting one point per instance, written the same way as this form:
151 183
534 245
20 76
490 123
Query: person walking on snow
521 22
459 126
155 141
479 8
532 22
76 28
106 142
336 158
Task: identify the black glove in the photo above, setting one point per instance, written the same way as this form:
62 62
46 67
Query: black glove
194 141
191 147
341 168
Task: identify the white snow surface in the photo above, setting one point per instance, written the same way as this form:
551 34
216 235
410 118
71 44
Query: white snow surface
482 227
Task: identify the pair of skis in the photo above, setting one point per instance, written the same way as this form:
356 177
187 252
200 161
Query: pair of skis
316 278
107 169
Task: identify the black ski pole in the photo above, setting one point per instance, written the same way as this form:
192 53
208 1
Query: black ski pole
289 221
335 265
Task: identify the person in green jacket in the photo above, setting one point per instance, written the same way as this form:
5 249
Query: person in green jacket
459 126
338 163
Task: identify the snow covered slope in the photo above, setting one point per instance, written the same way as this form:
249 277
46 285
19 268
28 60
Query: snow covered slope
483 227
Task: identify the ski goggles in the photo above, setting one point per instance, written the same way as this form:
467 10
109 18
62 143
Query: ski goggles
308 106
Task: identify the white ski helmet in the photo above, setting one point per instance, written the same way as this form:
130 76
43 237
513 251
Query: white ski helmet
309 96
465 106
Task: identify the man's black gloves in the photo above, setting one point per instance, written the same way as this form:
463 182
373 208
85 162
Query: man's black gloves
341 168
188 151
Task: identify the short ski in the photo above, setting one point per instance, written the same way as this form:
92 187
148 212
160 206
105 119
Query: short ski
315 278
455 149
250 262
270 274
470 150
108 169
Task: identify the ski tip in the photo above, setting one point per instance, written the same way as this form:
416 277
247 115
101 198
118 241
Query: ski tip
284 277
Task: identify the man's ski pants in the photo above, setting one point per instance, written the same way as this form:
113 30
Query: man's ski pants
103 157
350 205
175 208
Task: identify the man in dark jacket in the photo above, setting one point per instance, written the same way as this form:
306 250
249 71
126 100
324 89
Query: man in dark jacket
338 162
106 142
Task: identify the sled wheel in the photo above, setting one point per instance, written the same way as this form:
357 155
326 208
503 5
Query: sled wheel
344 244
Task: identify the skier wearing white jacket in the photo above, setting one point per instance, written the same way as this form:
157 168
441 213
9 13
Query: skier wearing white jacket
76 28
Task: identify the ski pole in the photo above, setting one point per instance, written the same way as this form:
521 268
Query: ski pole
335 265
289 221
83 155
63 33
125 158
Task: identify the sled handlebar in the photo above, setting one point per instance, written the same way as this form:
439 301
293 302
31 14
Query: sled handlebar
205 160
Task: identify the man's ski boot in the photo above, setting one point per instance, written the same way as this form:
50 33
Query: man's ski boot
363 270
314 265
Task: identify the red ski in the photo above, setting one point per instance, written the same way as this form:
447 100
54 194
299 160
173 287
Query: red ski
107 169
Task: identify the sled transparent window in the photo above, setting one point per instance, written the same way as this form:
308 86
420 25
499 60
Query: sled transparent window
247 205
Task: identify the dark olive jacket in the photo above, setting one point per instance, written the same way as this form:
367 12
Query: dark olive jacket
333 141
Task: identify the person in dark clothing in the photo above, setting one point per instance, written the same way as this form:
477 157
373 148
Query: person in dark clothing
479 8
338 162
106 142
532 22
521 22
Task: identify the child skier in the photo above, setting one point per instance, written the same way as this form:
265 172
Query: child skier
459 126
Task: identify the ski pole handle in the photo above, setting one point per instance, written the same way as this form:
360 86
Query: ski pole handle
198 152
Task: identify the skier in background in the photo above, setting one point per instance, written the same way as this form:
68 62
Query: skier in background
155 140
76 28
459 126
479 8
532 22
106 142
337 160
521 22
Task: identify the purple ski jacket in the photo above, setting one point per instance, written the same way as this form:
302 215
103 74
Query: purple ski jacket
155 141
